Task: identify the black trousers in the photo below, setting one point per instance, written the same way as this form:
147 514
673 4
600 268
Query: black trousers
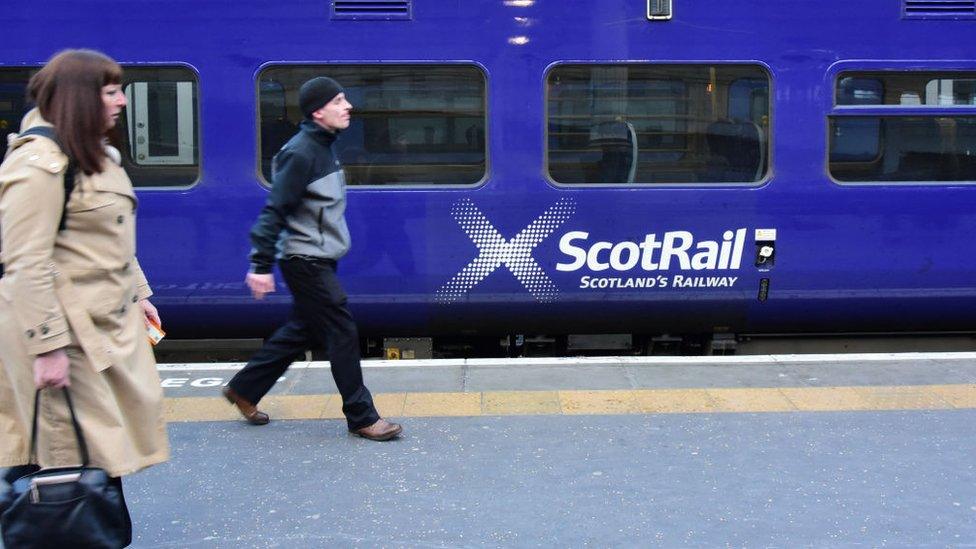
319 318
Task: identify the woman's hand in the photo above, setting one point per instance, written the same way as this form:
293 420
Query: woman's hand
51 369
149 310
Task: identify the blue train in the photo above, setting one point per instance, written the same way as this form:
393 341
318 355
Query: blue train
570 167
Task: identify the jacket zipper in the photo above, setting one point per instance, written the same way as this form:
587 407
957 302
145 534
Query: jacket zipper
321 234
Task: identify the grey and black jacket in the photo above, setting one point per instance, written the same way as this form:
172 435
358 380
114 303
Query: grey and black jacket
305 213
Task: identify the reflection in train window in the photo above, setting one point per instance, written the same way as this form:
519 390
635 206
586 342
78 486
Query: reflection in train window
411 124
276 129
907 88
857 139
647 124
912 148
859 90
158 132
749 100
13 102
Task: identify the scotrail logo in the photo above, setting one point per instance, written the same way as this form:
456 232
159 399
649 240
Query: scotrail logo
646 264
515 253
652 255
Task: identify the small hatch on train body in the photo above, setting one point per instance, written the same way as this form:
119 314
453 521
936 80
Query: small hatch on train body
372 10
939 9
659 10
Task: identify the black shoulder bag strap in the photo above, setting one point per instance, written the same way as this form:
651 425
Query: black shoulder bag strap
69 172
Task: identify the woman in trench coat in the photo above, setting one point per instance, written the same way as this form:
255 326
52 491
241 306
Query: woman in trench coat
73 299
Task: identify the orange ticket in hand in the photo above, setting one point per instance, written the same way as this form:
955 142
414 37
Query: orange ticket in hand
155 332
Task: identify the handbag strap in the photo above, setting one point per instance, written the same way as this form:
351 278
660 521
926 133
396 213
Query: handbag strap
82 446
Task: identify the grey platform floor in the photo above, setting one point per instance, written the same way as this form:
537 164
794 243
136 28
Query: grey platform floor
796 479
834 479
863 479
598 374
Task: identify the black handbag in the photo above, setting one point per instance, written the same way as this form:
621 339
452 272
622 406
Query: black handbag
65 506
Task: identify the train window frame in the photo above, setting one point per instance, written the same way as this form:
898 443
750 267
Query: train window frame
129 161
939 114
769 137
392 186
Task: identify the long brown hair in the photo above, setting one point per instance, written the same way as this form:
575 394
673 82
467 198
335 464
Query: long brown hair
68 92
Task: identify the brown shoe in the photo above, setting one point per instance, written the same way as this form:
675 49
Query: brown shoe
248 410
381 430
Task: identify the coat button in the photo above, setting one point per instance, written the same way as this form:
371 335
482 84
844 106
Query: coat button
45 330
34 156
135 298
30 333
125 267
55 166
122 310
120 219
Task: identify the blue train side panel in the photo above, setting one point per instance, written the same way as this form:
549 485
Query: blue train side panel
518 252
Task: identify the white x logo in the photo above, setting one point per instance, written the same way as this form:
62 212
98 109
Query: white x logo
494 251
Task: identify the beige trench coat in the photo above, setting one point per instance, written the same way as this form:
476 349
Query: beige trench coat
77 288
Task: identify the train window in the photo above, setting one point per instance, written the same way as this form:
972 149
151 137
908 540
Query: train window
749 100
160 126
913 148
412 124
276 129
657 124
877 143
158 132
853 90
13 102
908 88
857 139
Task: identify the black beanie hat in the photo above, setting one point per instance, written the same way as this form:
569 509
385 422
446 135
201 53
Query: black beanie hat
315 93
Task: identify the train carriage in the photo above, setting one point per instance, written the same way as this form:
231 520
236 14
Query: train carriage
572 167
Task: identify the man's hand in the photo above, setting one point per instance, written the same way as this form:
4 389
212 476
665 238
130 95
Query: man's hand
51 370
260 284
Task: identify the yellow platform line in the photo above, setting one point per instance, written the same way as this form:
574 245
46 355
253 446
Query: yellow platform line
602 402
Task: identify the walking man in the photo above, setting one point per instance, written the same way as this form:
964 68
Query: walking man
303 224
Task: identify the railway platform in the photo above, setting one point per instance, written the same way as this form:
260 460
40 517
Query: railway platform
871 450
